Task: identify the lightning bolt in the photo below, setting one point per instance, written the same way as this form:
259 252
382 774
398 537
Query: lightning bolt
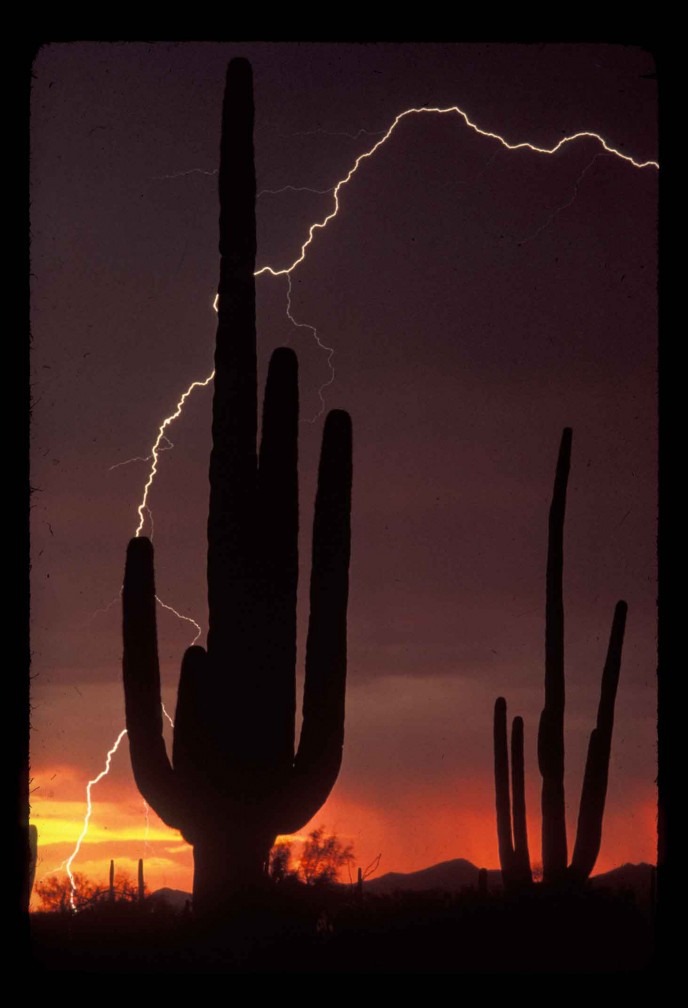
286 271
452 109
152 526
291 188
188 619
322 132
183 174
263 192
67 864
143 458
330 351
87 817
322 224
564 206
155 450
146 812
104 609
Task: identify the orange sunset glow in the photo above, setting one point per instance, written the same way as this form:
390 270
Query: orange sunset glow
435 826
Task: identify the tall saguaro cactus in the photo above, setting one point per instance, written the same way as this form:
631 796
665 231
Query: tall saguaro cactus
235 781
513 844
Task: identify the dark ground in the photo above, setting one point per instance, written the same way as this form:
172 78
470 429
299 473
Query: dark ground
332 932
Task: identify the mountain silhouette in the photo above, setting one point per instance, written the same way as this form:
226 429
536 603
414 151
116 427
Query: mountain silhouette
457 874
448 876
175 899
638 878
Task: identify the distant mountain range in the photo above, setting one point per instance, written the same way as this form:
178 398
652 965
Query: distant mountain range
458 874
637 877
453 876
449 876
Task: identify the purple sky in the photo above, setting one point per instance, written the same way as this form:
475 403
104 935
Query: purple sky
478 300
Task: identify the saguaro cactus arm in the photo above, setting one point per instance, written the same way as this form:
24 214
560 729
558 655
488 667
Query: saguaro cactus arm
319 755
518 789
594 792
551 730
502 797
279 518
512 834
152 771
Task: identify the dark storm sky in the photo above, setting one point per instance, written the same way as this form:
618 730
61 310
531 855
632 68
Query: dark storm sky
478 300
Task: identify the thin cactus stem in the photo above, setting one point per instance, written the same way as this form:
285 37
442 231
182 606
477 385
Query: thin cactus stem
503 801
551 732
522 868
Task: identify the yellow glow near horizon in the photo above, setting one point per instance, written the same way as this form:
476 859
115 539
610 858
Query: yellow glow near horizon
59 828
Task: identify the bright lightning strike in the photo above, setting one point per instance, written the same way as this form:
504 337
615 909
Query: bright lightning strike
67 864
155 450
89 809
320 225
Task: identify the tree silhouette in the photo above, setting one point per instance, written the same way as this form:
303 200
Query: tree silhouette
280 868
323 857
235 782
55 892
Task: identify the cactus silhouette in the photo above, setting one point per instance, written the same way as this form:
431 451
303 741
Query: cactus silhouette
33 859
513 846
511 824
235 781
